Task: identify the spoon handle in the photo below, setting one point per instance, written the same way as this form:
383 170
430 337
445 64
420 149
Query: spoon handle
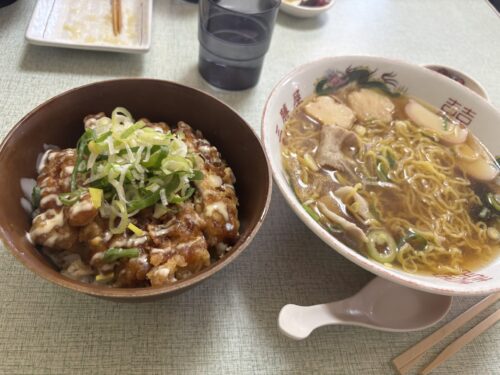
297 322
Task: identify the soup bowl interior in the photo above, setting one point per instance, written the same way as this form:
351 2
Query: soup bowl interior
59 122
459 102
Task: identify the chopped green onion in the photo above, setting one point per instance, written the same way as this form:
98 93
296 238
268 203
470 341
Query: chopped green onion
381 246
391 158
160 210
446 124
333 229
69 199
130 166
163 197
155 159
178 147
97 148
311 212
145 201
96 196
137 231
189 192
119 111
310 162
118 209
81 148
494 201
382 172
113 254
132 129
417 241
374 211
103 137
197 175
173 184
182 198
106 278
101 183
173 163
151 137
35 197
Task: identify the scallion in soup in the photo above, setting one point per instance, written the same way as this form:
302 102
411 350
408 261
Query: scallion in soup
395 179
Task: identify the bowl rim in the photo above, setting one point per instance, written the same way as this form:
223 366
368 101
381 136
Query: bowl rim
130 293
344 250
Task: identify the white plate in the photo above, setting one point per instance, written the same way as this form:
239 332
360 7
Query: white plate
87 24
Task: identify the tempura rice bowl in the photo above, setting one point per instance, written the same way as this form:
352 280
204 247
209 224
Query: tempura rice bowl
58 122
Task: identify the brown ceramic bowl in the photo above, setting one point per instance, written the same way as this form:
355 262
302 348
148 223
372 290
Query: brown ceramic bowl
58 121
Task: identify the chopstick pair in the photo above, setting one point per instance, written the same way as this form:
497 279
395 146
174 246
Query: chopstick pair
407 360
116 9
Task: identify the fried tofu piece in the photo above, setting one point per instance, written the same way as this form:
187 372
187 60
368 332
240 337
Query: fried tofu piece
329 112
370 105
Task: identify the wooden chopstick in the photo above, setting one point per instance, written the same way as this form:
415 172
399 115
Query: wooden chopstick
116 9
406 360
463 340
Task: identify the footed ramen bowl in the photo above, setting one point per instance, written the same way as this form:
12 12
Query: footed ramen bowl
466 112
58 122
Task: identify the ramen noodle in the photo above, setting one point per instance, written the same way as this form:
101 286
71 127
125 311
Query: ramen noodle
396 180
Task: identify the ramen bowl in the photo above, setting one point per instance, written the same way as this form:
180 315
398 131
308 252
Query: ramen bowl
451 97
58 122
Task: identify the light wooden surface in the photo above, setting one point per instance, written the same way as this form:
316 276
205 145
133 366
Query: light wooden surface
463 340
407 360
228 324
116 9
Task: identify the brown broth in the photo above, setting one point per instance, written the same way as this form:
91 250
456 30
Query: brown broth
301 139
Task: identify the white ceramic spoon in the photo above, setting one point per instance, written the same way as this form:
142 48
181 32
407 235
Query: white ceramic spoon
380 305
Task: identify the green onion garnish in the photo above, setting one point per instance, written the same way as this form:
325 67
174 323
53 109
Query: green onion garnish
35 197
416 240
68 199
113 254
311 212
134 165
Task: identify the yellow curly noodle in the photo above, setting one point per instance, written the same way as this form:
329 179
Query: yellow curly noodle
424 192
431 199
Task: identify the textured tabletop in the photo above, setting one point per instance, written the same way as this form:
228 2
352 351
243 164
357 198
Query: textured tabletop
227 325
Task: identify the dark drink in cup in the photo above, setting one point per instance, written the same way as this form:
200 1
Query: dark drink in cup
234 37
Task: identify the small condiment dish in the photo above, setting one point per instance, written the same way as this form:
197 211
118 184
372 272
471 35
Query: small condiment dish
293 8
460 77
